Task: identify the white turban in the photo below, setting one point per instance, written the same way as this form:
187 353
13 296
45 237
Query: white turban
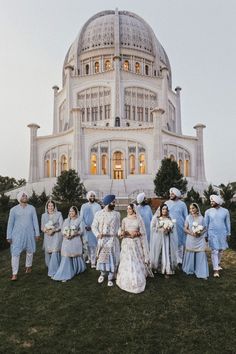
216 198
175 191
88 195
20 194
140 197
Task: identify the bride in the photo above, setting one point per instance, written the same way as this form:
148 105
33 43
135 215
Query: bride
134 256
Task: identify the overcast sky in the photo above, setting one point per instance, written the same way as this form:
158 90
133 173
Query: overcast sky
199 37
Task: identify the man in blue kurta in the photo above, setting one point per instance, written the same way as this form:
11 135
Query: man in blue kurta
87 213
22 231
146 213
217 222
178 211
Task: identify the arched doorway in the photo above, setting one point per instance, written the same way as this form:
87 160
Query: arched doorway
118 168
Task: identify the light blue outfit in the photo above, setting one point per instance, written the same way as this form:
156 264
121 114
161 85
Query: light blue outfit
217 222
52 244
146 213
178 211
195 258
22 229
87 212
72 261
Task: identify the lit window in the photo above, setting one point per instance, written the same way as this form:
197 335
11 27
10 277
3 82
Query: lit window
107 65
126 65
96 67
137 68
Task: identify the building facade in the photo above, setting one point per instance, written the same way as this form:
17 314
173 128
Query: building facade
116 116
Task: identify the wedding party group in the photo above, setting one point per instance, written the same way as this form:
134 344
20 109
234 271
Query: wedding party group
124 252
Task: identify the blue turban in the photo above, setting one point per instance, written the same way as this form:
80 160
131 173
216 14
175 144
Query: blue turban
108 199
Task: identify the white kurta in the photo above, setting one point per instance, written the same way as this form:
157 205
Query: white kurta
107 223
134 254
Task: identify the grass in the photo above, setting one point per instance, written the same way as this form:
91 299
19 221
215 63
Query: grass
178 315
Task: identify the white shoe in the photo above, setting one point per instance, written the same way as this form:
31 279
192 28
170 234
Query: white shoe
93 266
216 275
220 268
63 281
88 261
110 283
101 279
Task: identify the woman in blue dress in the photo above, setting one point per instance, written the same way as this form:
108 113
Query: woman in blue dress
51 225
195 258
72 261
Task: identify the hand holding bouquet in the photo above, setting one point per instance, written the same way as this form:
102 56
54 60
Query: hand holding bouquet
49 228
197 229
167 225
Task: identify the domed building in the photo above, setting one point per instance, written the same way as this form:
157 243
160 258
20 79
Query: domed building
116 116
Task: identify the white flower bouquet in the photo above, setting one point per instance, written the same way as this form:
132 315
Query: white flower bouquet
73 230
66 232
197 229
49 226
167 224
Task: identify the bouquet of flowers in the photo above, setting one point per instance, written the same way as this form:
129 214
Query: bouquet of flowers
66 232
70 232
197 229
73 230
49 226
167 224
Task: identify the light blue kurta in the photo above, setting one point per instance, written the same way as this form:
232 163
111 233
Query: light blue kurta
52 244
87 212
217 222
22 229
72 262
195 258
178 211
146 213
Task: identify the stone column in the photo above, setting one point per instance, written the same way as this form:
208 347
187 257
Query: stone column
157 138
69 69
78 156
33 167
164 100
178 112
55 118
199 163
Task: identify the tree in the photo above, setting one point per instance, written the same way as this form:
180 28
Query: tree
68 188
208 192
193 197
227 192
169 176
7 183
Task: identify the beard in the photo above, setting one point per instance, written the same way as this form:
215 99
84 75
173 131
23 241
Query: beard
91 200
111 206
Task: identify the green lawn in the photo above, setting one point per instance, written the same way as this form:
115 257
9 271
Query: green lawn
177 315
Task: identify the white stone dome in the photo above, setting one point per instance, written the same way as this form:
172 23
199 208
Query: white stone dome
100 32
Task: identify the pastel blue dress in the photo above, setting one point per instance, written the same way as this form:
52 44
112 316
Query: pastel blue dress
195 258
72 262
178 211
217 222
146 213
22 229
52 244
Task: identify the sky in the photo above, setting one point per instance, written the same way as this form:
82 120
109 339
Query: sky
198 37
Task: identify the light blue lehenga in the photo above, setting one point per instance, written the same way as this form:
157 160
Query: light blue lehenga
195 258
72 262
52 244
